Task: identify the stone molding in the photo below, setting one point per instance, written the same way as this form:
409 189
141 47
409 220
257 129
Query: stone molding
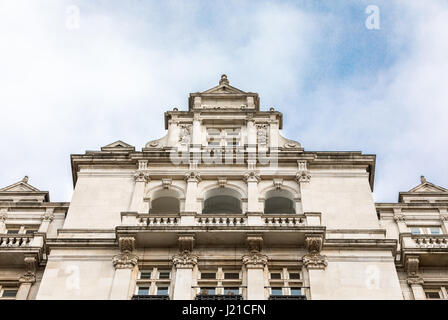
185 260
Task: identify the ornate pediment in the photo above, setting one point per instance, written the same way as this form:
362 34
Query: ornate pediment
426 186
118 146
223 88
21 186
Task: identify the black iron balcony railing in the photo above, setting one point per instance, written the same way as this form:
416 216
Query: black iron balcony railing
282 297
151 297
219 297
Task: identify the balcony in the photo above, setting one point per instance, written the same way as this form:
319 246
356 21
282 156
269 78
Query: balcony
432 249
150 297
282 297
14 247
219 297
160 230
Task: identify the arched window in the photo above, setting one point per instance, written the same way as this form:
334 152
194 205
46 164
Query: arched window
222 200
279 201
165 201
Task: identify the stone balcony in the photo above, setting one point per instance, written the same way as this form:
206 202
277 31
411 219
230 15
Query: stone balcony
432 250
15 247
219 229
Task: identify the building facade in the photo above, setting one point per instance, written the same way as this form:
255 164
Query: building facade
223 207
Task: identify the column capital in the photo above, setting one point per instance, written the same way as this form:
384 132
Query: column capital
413 281
315 261
185 260
48 215
125 260
193 176
252 176
141 176
303 174
255 260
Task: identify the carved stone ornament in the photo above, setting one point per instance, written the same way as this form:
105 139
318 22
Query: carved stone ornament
30 274
141 176
186 242
3 215
252 176
184 133
48 215
125 260
255 259
262 134
444 217
222 182
126 244
314 261
303 176
412 266
313 244
193 176
399 217
254 243
166 183
278 183
415 281
185 260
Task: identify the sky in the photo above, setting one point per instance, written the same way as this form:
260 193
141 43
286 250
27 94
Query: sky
78 75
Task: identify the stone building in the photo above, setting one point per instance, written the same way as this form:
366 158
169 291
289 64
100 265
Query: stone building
223 207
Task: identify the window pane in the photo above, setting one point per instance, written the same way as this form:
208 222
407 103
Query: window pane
9 293
164 275
231 291
30 231
162 290
415 231
143 291
432 295
231 275
13 231
276 275
145 275
294 276
277 291
435 230
207 291
208 275
296 291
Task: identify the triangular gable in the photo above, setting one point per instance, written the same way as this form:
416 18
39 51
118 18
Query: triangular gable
224 88
426 186
21 186
118 146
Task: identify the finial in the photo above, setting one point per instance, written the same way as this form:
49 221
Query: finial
271 109
25 179
423 179
223 79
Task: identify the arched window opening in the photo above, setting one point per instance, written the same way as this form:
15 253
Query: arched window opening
279 201
165 201
222 200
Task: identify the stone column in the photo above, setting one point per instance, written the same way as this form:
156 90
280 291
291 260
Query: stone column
251 135
27 280
197 136
3 217
173 133
47 218
273 134
193 178
252 177
255 262
399 219
444 218
184 263
314 261
414 280
141 178
125 265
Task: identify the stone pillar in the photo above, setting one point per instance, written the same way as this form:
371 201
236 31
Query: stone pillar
193 178
273 134
444 218
3 217
125 265
414 280
252 178
47 218
27 280
251 136
173 133
197 136
399 219
314 262
141 178
255 262
184 263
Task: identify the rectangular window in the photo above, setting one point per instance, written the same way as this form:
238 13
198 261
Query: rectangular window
145 275
435 230
30 231
232 291
276 275
143 291
276 291
9 293
295 291
162 290
207 291
231 275
13 231
164 274
432 294
415 230
208 275
294 276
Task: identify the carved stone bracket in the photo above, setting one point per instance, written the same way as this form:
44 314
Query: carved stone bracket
252 176
222 181
415 281
186 242
30 267
278 183
313 243
166 183
315 261
3 214
48 215
412 263
126 259
141 176
185 260
303 174
255 260
399 217
254 242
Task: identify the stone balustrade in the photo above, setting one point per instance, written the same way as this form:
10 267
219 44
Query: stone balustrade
281 221
431 241
232 221
14 241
